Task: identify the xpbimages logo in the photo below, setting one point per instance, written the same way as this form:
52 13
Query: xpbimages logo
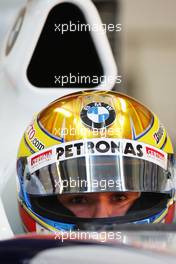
82 184
83 27
102 236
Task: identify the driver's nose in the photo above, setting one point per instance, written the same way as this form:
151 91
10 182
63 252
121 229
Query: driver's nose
102 207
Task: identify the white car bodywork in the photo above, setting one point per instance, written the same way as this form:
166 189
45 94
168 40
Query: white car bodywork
19 100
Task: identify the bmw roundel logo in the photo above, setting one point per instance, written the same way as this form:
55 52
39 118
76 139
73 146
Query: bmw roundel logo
97 115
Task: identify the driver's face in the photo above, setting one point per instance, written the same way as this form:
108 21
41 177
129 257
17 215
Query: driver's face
97 205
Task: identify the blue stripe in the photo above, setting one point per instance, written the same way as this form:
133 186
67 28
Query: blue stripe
27 145
48 134
145 132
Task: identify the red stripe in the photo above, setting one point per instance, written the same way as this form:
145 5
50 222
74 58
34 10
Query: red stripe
170 215
28 222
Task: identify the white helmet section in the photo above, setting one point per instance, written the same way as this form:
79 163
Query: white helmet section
20 99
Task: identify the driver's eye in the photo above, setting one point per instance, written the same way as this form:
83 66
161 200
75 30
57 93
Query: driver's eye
118 197
78 200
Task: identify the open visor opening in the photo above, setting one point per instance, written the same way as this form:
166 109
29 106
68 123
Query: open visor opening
107 173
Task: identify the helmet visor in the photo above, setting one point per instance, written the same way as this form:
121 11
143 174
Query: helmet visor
108 166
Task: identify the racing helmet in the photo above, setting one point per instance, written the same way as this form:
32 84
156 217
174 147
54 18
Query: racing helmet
88 144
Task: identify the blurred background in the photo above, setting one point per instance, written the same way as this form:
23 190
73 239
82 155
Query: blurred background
145 49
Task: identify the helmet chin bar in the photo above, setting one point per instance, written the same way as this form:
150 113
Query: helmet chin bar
22 96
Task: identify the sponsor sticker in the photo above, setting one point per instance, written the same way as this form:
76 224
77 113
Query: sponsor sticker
108 146
30 132
40 160
158 157
97 115
154 153
159 134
